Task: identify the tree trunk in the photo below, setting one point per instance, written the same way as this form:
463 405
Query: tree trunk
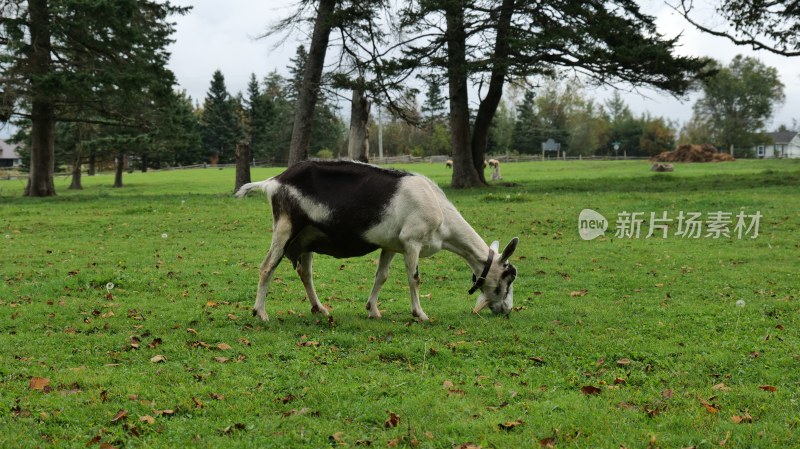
76 166
119 169
145 162
242 165
488 107
309 90
40 179
358 145
464 173
92 163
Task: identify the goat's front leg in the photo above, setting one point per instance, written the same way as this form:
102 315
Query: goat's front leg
280 235
306 275
412 267
380 278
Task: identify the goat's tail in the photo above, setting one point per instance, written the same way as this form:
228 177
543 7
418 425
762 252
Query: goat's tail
261 185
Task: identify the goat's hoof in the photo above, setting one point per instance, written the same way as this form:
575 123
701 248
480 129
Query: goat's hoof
320 309
261 314
374 315
420 315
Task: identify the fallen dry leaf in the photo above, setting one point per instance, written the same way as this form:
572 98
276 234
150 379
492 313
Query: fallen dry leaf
302 411
230 429
286 399
119 416
624 362
579 293
224 346
743 418
467 446
337 438
710 407
308 343
447 384
510 425
197 402
590 390
158 359
392 421
769 388
39 383
548 443
148 419
221 359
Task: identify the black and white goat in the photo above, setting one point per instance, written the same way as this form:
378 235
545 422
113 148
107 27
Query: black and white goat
348 209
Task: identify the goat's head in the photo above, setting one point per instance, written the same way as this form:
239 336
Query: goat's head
497 280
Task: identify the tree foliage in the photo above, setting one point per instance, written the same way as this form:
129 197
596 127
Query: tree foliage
738 100
491 42
221 125
773 26
77 60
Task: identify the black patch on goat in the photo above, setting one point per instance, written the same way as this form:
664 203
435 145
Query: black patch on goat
356 194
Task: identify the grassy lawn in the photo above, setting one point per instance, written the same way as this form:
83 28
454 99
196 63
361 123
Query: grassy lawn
125 320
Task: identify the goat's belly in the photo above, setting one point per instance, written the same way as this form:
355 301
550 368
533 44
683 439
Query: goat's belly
313 239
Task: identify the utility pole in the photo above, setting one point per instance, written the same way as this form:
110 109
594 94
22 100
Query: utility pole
380 134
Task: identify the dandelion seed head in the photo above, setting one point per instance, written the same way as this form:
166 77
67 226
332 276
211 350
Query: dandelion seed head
740 303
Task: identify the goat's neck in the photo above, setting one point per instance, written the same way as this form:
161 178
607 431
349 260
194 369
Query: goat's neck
465 242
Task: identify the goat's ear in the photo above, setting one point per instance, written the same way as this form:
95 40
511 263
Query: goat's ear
495 246
509 249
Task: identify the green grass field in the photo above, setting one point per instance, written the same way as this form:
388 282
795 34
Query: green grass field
125 320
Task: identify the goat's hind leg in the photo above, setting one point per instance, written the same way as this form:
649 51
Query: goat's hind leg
412 268
280 235
380 278
307 276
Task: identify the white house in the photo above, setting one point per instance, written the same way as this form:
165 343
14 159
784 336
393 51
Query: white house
9 158
779 144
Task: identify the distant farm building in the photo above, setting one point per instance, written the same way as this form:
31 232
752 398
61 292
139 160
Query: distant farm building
9 157
779 144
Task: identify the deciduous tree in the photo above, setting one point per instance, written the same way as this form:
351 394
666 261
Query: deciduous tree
738 100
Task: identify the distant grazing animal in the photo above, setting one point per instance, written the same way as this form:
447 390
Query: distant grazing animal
660 167
495 164
349 209
449 163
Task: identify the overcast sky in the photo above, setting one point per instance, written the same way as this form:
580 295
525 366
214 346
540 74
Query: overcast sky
222 35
